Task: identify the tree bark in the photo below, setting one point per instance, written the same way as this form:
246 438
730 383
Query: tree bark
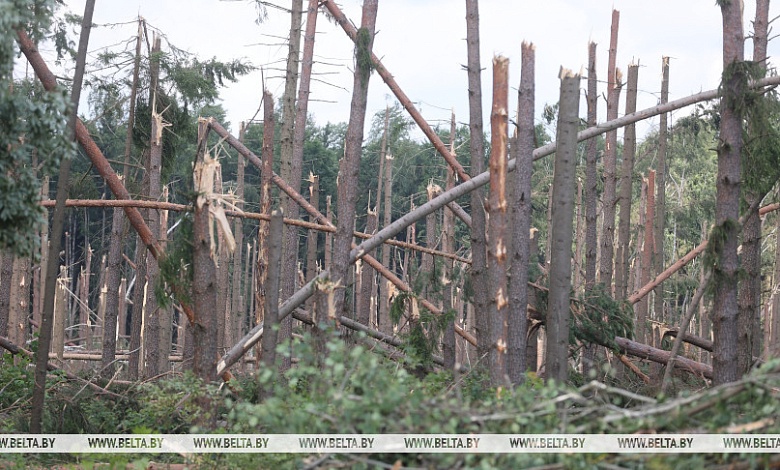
155 357
614 85
774 341
385 325
6 275
725 361
349 166
271 331
367 277
477 149
563 215
517 316
266 174
591 174
497 250
626 193
44 338
749 302
448 246
659 223
642 307
204 290
236 296
290 168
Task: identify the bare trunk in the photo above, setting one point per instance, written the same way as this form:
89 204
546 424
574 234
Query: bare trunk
313 238
367 277
271 322
385 324
290 169
629 150
774 341
236 296
520 207
642 307
349 165
6 275
660 200
749 315
725 361
154 354
497 251
591 176
614 78
477 148
563 214
266 174
448 246
58 219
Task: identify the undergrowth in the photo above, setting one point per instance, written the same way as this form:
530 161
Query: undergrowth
359 391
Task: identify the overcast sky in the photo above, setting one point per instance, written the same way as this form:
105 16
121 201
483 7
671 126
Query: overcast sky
422 43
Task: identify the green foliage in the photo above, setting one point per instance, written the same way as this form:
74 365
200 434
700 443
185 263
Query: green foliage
598 318
176 267
34 140
364 64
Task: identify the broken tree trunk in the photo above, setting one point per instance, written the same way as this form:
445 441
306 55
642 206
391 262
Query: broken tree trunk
642 307
156 358
520 206
561 231
266 174
497 321
367 277
660 199
204 291
626 193
591 175
477 150
271 308
614 85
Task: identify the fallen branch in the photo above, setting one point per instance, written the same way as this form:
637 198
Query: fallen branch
18 350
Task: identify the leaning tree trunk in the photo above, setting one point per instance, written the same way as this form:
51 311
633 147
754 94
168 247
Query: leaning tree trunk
626 193
610 160
749 316
477 149
520 207
562 225
349 166
367 276
290 170
58 219
725 234
497 323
